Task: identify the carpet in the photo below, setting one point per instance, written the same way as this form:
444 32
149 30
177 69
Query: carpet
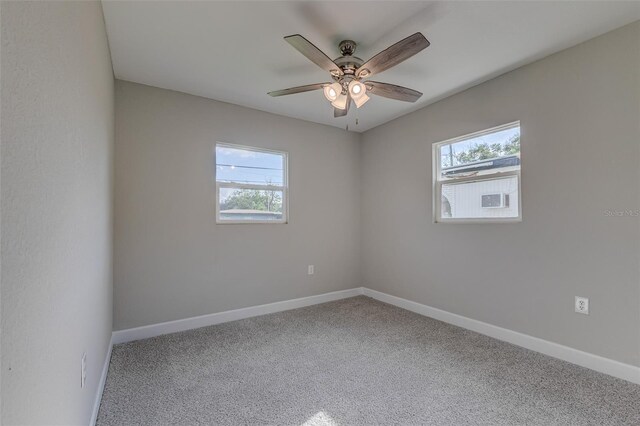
355 361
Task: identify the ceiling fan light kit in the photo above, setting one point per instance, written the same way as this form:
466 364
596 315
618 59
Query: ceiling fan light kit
347 72
358 92
340 102
332 91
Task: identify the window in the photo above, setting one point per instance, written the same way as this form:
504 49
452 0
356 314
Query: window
477 177
251 185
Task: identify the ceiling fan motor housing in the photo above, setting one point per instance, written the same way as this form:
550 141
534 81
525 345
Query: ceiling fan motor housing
347 62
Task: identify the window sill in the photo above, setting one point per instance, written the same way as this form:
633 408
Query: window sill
478 221
251 222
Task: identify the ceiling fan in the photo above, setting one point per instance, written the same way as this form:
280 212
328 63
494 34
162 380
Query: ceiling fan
348 72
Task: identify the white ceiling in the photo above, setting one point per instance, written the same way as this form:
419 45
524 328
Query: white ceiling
234 51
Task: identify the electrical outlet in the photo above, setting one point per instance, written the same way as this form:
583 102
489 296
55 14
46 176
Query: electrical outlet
582 305
83 371
310 270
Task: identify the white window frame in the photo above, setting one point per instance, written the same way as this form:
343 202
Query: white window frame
437 183
284 188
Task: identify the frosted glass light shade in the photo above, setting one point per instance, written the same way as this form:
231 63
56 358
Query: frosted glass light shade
332 91
358 93
340 102
361 100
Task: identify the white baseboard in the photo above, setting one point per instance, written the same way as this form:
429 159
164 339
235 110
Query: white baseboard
145 332
603 365
103 380
584 359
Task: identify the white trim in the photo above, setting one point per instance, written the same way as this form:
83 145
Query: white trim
437 201
285 199
101 383
608 366
480 178
284 188
250 186
145 332
437 182
248 148
483 132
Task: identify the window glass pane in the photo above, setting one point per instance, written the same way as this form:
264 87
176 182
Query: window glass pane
481 199
250 204
481 155
248 166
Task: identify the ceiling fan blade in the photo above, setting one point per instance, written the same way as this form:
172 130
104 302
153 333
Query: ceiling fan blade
314 54
337 112
393 55
299 89
392 91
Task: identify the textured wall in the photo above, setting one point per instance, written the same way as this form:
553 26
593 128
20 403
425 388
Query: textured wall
171 259
57 140
579 112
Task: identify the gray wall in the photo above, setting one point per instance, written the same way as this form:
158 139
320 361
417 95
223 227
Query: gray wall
171 259
57 140
579 111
